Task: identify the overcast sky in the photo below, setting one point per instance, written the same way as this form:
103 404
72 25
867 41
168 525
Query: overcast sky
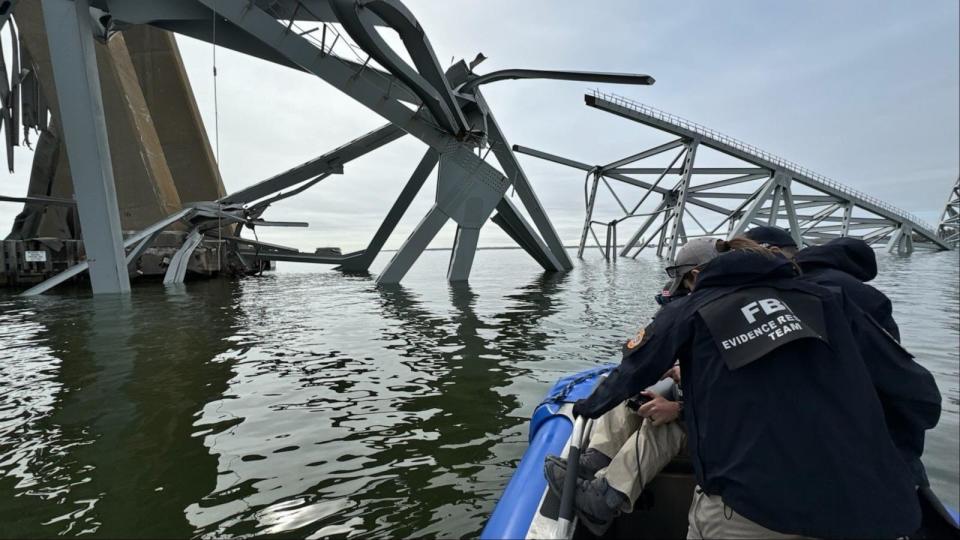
863 92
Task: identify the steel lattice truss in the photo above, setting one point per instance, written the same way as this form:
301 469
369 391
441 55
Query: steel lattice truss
338 41
444 109
766 190
949 227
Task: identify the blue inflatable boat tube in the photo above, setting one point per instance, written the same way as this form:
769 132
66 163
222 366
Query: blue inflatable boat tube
550 430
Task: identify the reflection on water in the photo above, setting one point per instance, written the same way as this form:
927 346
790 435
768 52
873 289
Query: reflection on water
99 399
319 405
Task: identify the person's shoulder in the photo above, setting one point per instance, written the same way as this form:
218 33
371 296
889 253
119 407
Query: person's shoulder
838 279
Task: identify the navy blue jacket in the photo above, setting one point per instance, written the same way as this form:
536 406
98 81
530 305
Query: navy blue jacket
848 263
794 440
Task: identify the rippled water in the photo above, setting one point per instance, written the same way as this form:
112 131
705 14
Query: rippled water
315 404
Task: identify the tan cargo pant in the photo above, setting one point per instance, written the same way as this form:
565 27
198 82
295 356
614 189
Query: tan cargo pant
639 450
710 518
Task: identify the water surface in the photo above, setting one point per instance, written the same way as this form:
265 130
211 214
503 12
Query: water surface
308 403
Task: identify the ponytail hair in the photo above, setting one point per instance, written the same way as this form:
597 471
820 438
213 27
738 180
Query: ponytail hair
742 243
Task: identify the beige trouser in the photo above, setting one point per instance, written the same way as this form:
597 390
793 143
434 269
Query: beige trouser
613 429
640 450
710 518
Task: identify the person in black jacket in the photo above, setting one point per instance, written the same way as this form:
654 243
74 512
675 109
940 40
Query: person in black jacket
847 263
782 382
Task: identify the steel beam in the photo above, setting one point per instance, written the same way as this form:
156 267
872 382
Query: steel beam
70 36
729 181
645 154
818 218
140 247
586 168
677 226
591 200
698 170
418 241
852 226
792 216
893 243
426 166
524 190
659 230
461 259
332 161
512 222
177 270
872 237
775 205
754 209
949 226
643 228
295 48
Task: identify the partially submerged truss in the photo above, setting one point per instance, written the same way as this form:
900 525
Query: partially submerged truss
443 109
949 227
824 210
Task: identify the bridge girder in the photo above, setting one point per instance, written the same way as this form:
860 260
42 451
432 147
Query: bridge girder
830 207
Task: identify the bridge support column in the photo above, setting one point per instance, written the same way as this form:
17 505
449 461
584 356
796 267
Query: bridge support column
70 35
775 205
461 258
907 242
792 216
901 240
847 214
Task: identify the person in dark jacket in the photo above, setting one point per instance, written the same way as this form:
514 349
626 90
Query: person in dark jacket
847 263
784 424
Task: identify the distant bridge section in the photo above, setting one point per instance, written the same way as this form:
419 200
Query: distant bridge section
822 208
949 228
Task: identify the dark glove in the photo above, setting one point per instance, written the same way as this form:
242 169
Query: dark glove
580 409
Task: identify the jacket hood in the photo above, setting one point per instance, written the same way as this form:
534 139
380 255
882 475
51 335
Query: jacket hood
742 267
850 255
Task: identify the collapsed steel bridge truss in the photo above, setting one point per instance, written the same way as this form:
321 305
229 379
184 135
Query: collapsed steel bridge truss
949 227
764 190
443 109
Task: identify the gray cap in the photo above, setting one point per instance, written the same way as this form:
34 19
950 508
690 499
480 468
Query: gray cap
695 252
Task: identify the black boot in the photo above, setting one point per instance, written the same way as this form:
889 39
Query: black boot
596 503
589 464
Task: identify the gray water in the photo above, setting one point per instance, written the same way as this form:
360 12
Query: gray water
314 404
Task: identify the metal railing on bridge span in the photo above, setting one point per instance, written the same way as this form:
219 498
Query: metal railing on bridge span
763 154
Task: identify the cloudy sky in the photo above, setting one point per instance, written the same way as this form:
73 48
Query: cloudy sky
863 92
